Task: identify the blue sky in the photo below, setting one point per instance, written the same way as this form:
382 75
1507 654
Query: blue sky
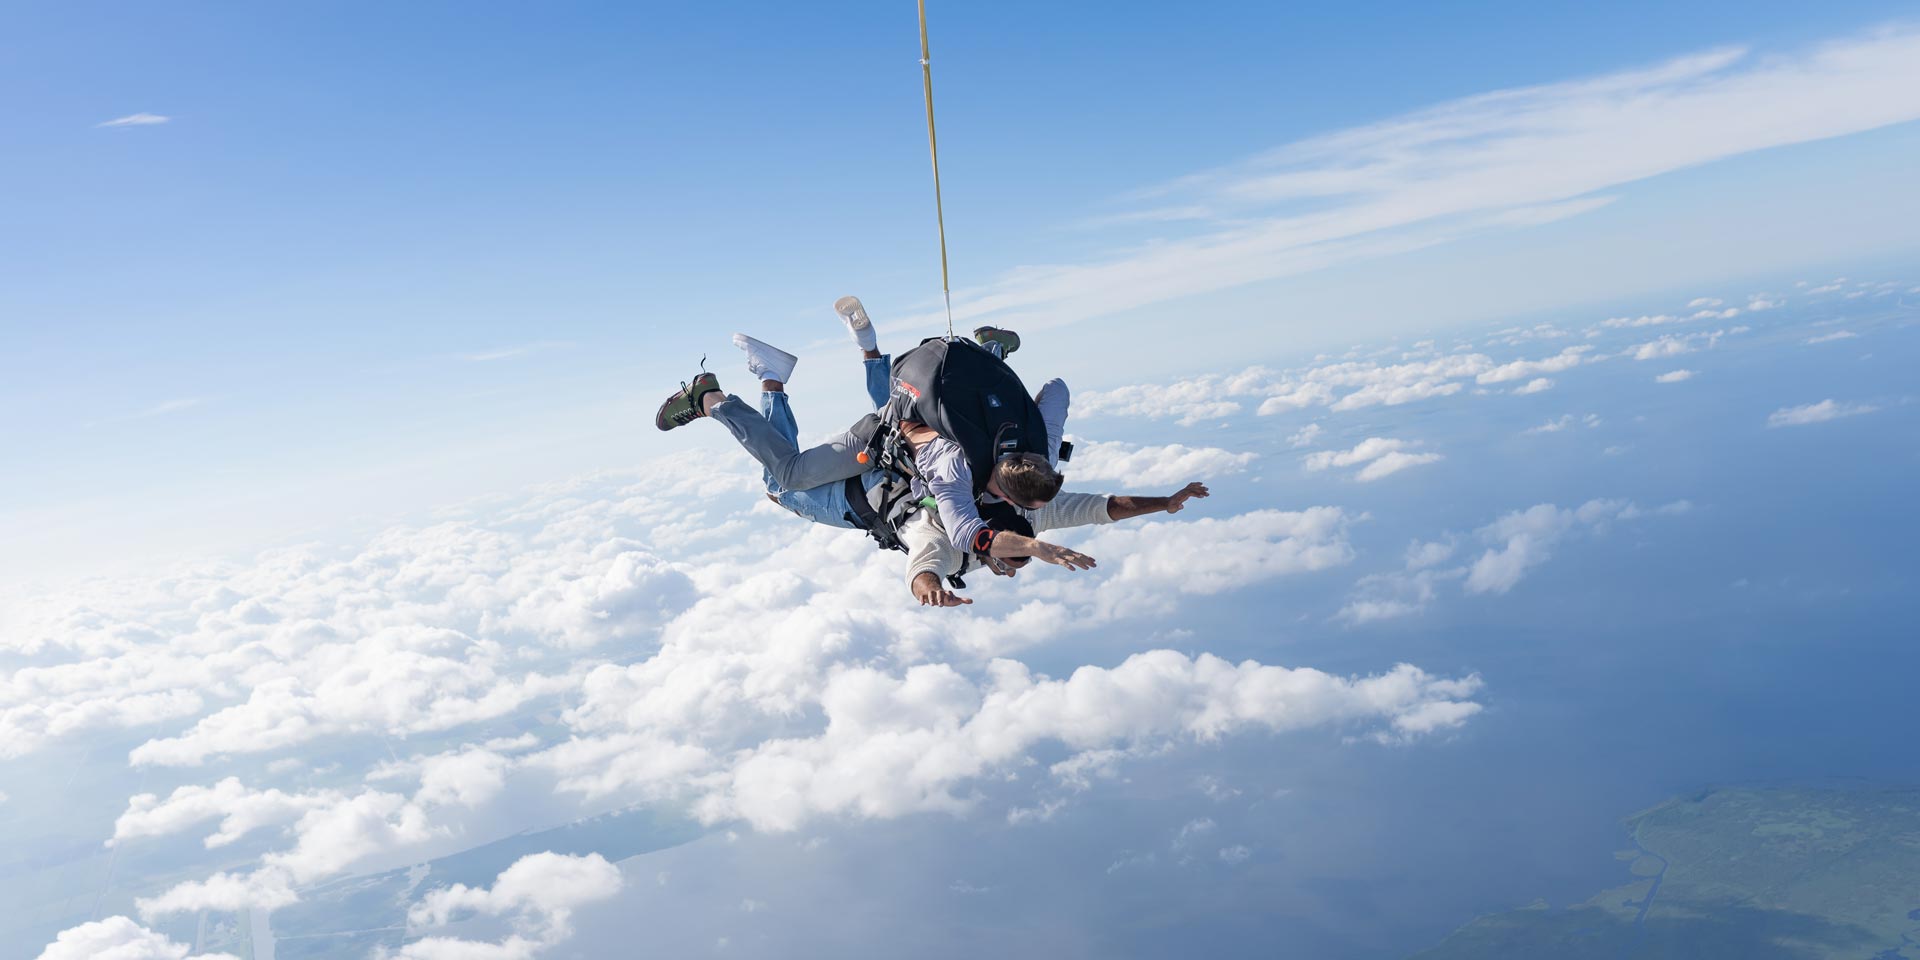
262 316
1551 368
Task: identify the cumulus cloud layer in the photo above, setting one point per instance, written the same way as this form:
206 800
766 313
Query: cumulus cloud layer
770 674
895 745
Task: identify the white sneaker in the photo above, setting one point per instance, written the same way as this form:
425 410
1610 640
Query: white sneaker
764 361
854 314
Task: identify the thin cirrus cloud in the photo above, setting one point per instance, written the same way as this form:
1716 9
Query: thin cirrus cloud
161 409
1816 413
170 406
136 120
1504 159
1831 337
517 350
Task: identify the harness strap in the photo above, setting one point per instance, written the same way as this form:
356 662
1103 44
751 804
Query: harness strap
879 524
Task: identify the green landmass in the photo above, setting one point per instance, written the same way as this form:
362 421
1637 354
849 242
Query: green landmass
1748 873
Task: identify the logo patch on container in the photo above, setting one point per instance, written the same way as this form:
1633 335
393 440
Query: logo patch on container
901 386
993 401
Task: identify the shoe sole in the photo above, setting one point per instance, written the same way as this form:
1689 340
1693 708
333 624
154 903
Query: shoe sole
749 345
853 312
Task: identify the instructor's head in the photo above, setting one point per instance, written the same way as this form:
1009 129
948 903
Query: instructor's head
1025 480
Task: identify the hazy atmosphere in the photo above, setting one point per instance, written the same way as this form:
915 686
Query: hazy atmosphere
1550 373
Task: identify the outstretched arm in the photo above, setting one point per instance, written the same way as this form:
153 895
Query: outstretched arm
1126 508
945 472
1007 544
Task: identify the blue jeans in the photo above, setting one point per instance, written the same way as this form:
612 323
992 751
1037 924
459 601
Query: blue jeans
826 503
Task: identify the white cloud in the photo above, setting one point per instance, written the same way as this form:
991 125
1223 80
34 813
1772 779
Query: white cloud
1830 337
1382 456
1236 854
1429 554
538 894
894 745
1563 422
1486 161
711 678
1524 539
1206 397
1536 385
466 778
1363 451
1192 830
225 892
239 810
1698 302
1674 376
332 831
1386 596
1654 320
118 938
1340 385
1515 336
1304 436
1393 463
1668 346
1520 369
1132 466
1816 413
135 120
1156 564
451 948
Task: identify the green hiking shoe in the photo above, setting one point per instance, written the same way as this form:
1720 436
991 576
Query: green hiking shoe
684 406
1001 342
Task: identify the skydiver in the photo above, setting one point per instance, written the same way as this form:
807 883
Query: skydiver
817 482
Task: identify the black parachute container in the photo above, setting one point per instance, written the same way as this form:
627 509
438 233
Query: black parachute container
969 396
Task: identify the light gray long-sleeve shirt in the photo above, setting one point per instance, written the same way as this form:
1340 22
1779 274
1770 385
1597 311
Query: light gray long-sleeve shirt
930 550
944 475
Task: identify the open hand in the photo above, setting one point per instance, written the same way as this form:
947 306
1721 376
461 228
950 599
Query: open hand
1056 554
931 593
1180 498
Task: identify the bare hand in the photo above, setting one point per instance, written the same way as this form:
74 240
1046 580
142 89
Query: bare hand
931 594
1056 554
1180 498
